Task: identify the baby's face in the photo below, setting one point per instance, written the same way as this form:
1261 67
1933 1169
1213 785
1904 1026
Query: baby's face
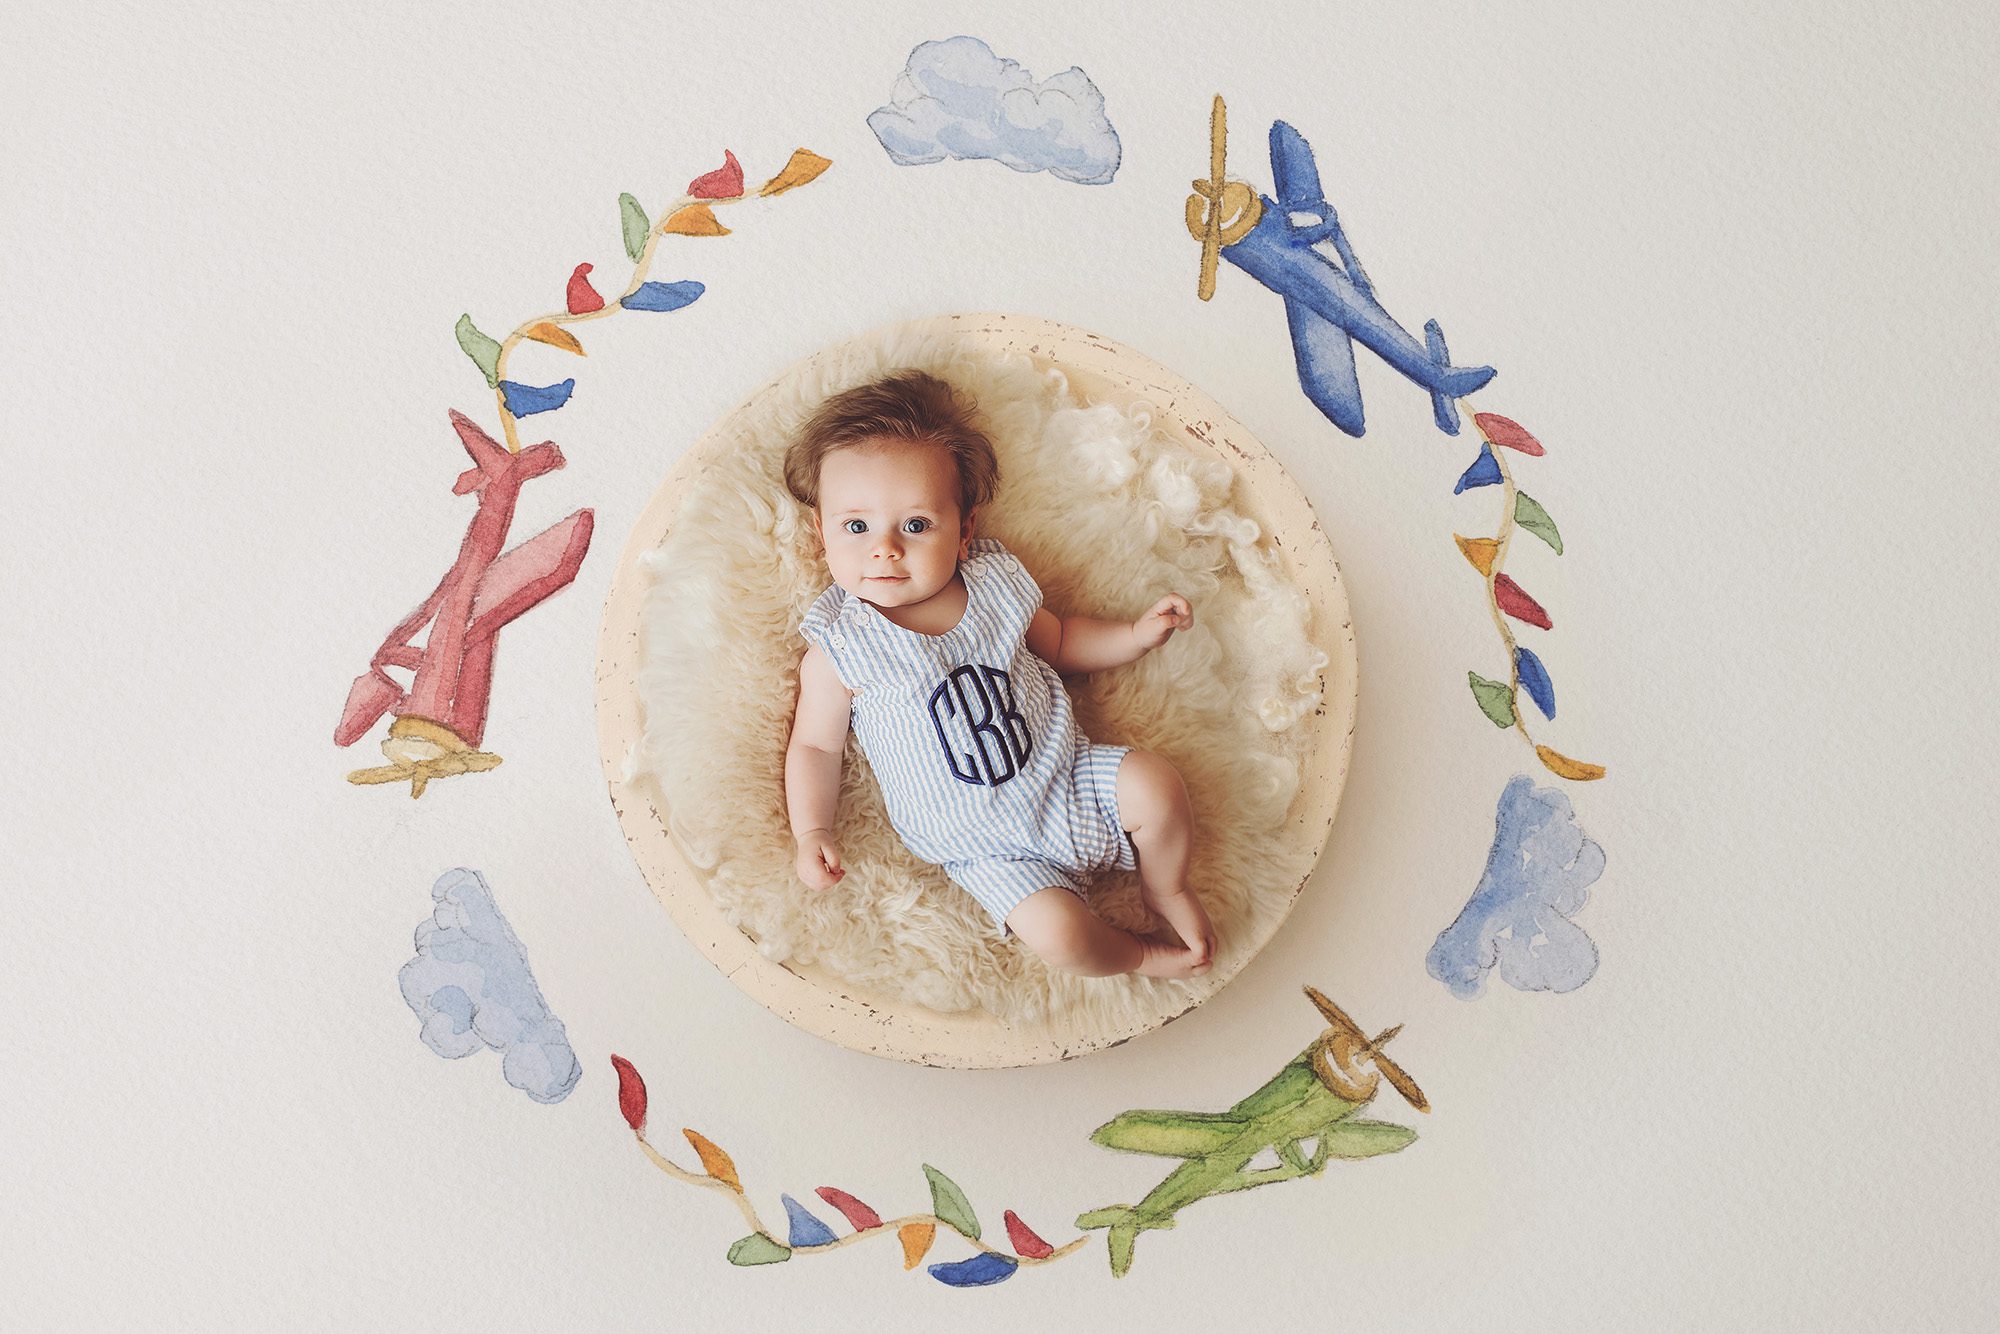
888 516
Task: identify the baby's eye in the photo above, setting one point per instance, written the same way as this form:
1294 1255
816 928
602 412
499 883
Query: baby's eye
855 525
916 525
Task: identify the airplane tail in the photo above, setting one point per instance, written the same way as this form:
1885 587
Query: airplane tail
1126 1223
1452 381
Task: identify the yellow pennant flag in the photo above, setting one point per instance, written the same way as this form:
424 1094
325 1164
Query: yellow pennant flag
1479 550
1564 767
916 1239
694 220
804 166
555 336
714 1161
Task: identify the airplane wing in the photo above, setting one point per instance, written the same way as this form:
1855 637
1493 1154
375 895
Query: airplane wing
530 572
1325 357
1365 1139
1169 1134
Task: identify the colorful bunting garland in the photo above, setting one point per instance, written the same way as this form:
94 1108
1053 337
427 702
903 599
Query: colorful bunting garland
1500 700
806 1233
425 747
1312 1098
691 215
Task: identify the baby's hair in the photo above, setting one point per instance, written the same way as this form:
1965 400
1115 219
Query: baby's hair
908 405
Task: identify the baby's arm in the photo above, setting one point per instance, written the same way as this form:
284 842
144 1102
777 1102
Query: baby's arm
1075 644
812 768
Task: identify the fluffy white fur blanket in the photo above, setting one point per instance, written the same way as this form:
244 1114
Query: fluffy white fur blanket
1108 513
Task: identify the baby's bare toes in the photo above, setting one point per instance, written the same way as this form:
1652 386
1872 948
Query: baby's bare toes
1164 960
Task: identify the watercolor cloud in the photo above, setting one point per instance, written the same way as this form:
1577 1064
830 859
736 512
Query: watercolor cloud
1537 876
470 987
957 99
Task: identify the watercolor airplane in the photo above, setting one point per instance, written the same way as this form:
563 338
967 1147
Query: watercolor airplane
441 718
1313 1098
1329 306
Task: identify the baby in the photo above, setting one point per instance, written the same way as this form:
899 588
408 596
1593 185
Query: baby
935 645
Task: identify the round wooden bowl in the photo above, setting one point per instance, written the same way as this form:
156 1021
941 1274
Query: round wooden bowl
1098 370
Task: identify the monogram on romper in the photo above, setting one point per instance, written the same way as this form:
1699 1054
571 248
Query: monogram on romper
974 706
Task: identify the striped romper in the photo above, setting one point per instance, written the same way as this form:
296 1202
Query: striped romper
973 741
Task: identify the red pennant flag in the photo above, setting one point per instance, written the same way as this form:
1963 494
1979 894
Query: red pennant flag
1518 604
1505 431
725 182
1024 1239
853 1210
583 298
631 1095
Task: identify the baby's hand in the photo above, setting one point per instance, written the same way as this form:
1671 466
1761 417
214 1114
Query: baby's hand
1169 614
818 859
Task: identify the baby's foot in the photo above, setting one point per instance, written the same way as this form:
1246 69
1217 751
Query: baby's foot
1183 912
1168 958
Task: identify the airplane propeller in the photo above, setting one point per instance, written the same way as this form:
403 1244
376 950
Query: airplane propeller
421 750
1215 200
1340 1055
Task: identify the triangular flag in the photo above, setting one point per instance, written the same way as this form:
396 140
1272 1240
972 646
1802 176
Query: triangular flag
632 221
1496 701
725 182
804 166
853 1210
1516 603
1505 431
758 1249
582 297
916 1239
555 336
1479 550
806 1230
948 1202
980 1271
1485 471
1024 1240
1535 680
694 220
1562 766
663 296
525 400
485 353
714 1161
1528 512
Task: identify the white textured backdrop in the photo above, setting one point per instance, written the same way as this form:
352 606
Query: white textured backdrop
1735 267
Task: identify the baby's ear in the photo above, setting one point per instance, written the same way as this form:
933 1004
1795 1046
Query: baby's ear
965 526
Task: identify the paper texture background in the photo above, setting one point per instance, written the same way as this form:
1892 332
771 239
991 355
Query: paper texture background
1735 270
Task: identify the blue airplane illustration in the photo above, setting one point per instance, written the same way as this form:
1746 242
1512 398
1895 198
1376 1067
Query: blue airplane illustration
1328 305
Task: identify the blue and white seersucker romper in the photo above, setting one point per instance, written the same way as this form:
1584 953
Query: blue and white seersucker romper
973 740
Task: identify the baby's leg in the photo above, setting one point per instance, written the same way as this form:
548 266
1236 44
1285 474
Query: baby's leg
1054 924
1153 807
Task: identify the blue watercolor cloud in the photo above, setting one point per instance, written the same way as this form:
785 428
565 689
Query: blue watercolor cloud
470 987
956 98
1518 919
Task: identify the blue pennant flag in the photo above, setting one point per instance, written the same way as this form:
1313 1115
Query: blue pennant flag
524 400
663 296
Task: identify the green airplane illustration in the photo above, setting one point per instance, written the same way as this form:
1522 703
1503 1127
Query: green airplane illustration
1313 1098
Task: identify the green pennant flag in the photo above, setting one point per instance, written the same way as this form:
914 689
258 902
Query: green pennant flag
636 226
758 1249
485 353
948 1202
1531 516
1495 699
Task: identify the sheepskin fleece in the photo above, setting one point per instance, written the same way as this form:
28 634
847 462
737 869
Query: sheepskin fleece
1108 514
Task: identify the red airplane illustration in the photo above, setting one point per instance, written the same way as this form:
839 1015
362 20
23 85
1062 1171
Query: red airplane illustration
441 718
